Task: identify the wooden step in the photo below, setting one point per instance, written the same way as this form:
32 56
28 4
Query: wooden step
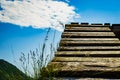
89 39
89 48
90 43
88 66
88 34
90 51
87 54
87 69
79 36
77 25
89 59
88 29
74 30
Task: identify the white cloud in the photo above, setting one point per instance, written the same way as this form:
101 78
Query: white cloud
37 13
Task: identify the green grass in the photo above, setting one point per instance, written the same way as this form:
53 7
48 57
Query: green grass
38 65
34 64
38 61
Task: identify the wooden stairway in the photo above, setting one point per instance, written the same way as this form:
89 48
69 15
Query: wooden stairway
88 51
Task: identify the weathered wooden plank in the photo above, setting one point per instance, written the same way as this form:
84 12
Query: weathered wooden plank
86 69
74 30
96 24
74 23
88 34
77 25
88 39
88 53
113 60
96 41
87 66
89 28
84 23
90 42
89 48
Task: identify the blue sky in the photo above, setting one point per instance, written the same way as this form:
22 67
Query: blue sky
98 11
22 37
15 39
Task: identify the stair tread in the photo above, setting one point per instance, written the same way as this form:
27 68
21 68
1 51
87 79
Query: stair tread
90 42
91 47
84 63
86 52
88 48
77 25
88 59
86 39
88 28
88 34
87 66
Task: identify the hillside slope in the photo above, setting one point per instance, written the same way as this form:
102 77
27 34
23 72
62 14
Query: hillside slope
10 72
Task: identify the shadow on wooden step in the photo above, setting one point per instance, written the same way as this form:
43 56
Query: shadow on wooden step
89 74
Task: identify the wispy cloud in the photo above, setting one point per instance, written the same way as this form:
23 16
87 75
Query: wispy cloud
37 13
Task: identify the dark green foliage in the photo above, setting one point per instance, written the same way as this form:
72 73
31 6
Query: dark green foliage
10 72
